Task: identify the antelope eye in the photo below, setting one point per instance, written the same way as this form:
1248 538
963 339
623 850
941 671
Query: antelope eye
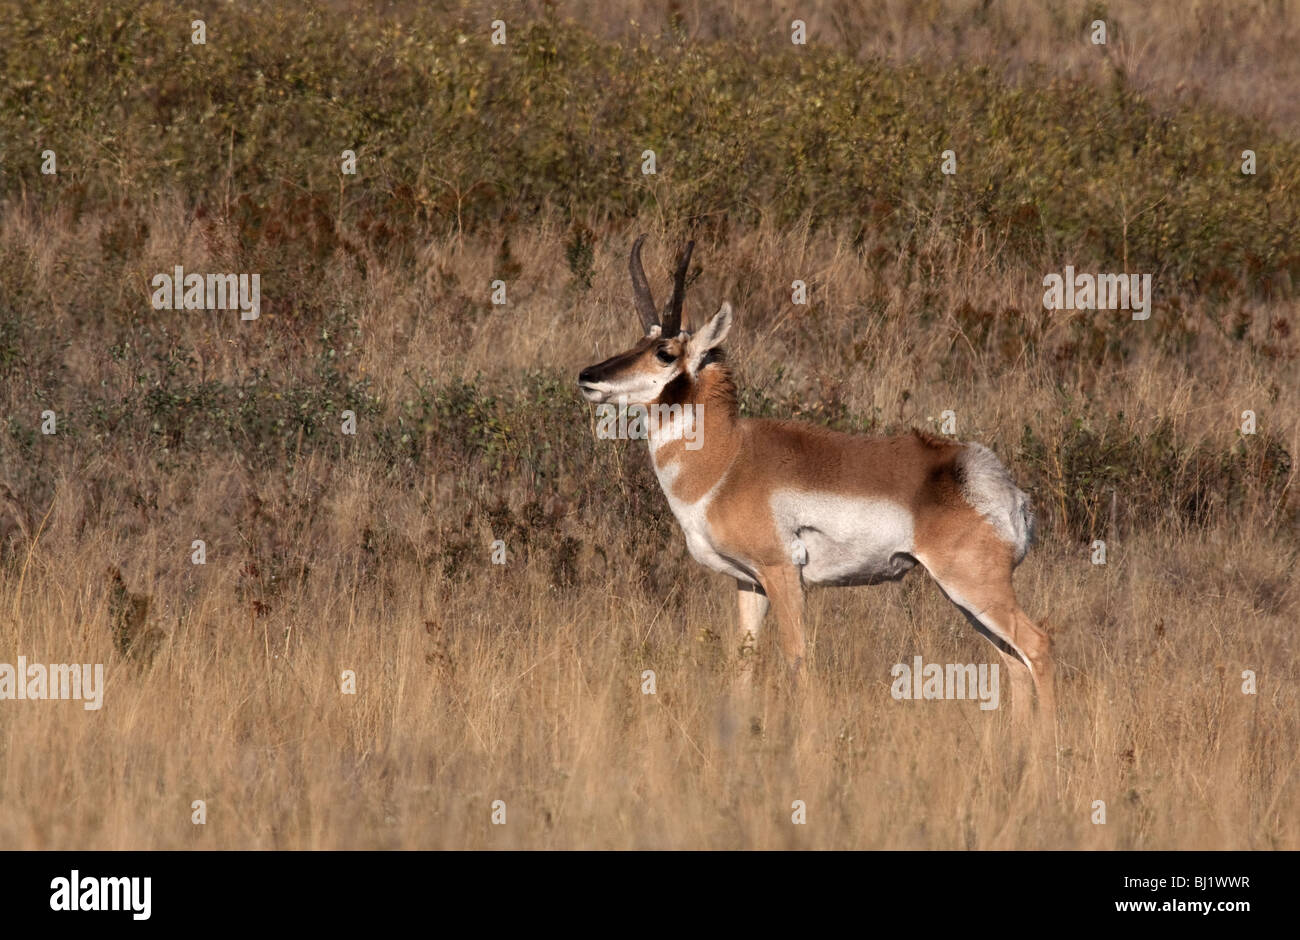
664 356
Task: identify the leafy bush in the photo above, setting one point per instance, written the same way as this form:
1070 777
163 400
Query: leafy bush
452 133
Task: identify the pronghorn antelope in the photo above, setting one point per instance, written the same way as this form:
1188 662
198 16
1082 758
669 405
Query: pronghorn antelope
777 504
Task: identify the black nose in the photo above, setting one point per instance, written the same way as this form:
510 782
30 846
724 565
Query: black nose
586 377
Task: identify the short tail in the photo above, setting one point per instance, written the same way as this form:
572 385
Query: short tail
987 486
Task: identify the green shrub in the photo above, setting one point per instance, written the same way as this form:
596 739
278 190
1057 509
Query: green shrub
452 133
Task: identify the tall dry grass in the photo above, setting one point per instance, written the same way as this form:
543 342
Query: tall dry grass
522 683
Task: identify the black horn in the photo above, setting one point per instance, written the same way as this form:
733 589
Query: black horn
645 302
672 320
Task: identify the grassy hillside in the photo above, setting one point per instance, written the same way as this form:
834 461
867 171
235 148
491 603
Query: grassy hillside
329 552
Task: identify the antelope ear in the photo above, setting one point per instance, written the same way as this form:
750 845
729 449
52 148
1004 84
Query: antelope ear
708 337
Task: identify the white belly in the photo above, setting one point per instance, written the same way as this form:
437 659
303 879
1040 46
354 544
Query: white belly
845 540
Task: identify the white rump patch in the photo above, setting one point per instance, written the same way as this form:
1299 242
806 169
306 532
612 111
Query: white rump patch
988 487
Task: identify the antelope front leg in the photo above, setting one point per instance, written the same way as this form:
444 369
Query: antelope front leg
784 585
753 605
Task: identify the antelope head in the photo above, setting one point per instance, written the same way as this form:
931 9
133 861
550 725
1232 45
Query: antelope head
639 375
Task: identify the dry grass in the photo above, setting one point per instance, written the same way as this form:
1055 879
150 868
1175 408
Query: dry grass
522 683
498 683
517 694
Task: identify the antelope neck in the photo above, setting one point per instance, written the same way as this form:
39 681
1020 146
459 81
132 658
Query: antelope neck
686 473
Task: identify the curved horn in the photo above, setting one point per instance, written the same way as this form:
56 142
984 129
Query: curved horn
672 319
645 302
